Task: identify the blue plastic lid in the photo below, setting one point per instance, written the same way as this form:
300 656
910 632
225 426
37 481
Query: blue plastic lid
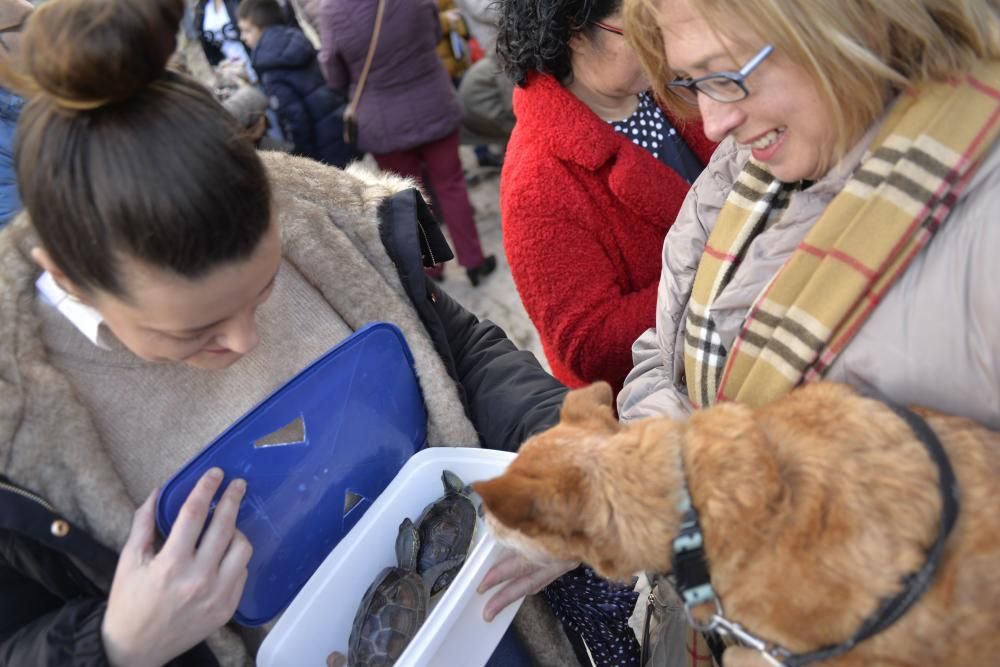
315 455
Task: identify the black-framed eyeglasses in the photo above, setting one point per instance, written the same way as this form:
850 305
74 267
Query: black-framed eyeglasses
608 28
720 86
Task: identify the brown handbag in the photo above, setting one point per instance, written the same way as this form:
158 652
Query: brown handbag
351 114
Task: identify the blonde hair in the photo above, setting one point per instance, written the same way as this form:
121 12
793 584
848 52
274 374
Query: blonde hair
855 51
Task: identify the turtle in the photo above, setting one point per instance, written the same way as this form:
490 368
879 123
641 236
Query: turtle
447 527
394 607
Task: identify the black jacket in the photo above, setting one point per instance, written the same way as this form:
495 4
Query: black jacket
310 112
55 578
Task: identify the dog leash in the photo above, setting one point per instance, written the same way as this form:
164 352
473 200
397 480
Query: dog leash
694 586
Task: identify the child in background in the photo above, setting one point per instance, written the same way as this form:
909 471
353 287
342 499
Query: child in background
309 111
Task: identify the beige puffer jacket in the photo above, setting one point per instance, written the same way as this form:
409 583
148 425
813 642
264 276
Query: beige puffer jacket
933 341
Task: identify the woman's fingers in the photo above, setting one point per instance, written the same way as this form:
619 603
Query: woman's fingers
161 606
220 531
518 588
509 566
506 595
523 577
236 558
232 573
191 518
235 593
139 546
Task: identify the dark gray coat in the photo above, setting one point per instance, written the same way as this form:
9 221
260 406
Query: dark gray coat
409 99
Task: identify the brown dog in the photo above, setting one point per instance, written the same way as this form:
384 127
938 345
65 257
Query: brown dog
813 509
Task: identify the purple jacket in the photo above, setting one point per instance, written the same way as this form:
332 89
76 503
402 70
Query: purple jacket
409 99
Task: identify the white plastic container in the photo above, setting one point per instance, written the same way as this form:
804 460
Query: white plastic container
319 619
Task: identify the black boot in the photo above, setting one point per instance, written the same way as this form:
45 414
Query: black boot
477 273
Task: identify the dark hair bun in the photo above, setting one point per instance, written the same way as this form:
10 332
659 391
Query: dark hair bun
87 53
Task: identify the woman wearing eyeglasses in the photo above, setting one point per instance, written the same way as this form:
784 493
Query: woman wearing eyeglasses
594 176
147 302
846 228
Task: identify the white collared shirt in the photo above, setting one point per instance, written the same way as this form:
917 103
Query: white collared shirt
82 316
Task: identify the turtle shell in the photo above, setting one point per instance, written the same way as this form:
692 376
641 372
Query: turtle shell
446 530
389 616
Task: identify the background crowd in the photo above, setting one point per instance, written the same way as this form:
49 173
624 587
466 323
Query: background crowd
690 212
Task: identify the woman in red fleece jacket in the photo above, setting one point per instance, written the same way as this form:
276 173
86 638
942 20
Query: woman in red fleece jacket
593 177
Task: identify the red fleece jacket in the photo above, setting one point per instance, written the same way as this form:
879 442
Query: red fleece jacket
584 214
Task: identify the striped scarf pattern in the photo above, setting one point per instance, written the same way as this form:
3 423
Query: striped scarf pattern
889 209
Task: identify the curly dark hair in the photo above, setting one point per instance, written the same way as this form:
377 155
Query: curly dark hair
534 34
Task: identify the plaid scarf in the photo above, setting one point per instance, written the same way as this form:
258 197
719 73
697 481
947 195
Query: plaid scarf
899 196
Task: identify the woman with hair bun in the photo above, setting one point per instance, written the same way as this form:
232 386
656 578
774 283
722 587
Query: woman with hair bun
164 279
594 175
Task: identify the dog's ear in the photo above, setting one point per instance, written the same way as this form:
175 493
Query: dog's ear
510 498
591 406
533 505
